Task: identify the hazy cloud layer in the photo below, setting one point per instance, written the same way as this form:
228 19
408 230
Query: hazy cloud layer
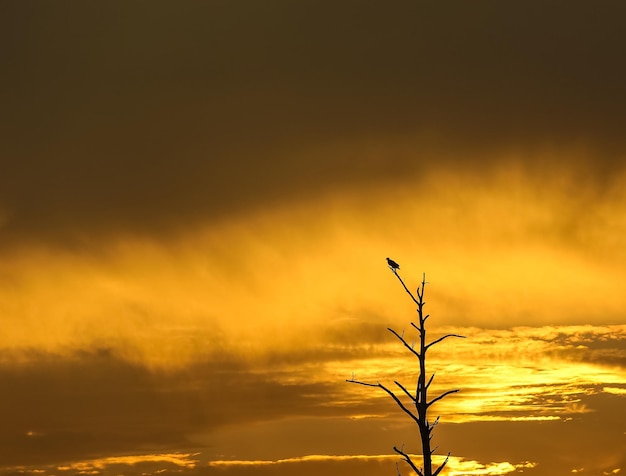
500 252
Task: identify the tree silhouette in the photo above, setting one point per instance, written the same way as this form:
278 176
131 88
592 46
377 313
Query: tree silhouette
420 398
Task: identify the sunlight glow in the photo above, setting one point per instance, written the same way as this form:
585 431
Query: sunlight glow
523 373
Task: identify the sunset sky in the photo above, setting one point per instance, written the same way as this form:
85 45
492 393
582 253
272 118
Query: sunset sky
197 199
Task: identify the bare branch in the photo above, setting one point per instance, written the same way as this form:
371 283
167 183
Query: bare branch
363 383
438 470
391 394
405 288
444 394
436 341
433 424
406 344
429 380
408 459
405 390
400 404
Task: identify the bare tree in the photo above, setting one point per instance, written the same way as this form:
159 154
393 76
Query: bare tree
419 399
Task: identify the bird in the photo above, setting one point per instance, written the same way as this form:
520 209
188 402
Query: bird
392 264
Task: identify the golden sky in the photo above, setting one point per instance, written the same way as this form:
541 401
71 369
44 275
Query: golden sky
196 204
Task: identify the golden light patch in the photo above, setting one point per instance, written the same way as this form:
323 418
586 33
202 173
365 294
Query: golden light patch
183 460
271 279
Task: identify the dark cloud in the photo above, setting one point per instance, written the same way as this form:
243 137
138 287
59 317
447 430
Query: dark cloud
90 405
64 408
135 116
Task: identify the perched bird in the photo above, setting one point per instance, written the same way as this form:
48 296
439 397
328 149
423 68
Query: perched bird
392 264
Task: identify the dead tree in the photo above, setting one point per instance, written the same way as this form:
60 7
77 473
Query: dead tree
419 399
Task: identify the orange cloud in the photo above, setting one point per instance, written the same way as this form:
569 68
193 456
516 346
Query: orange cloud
266 278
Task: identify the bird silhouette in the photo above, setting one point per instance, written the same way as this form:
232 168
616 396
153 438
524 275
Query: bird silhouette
392 264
